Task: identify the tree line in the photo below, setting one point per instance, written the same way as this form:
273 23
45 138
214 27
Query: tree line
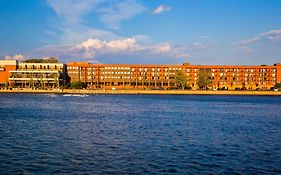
40 60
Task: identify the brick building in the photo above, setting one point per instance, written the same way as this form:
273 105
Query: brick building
125 76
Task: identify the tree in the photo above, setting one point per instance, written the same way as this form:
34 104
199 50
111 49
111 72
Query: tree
78 85
40 60
56 77
278 85
41 81
204 78
181 79
31 82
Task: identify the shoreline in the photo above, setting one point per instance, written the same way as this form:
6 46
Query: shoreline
145 92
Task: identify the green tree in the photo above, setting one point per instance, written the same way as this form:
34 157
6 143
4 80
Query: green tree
204 78
278 85
40 60
31 82
181 79
78 85
41 81
56 77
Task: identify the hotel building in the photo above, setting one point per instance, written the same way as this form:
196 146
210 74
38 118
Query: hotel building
33 75
125 76
5 67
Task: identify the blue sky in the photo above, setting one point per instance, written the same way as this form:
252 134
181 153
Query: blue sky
143 31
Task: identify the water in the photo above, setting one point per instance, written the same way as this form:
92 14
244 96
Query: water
139 134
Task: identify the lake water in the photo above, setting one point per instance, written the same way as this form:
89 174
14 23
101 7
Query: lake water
139 134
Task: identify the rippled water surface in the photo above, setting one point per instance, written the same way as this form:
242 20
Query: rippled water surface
139 134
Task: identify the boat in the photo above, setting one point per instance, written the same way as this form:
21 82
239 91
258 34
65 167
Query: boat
75 95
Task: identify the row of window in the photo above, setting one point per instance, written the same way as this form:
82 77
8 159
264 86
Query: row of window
177 68
47 67
167 78
173 73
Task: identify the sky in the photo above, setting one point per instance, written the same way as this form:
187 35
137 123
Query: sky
208 32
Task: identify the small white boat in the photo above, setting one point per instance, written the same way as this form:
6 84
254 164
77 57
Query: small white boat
80 95
75 95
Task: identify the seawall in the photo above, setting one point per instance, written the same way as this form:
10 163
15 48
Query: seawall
155 92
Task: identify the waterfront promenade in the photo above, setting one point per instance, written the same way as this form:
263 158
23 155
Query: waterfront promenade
145 92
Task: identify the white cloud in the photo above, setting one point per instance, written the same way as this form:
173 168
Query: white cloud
161 9
273 36
261 42
127 46
93 47
18 57
122 50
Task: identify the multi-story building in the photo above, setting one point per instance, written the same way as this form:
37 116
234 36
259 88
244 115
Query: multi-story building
5 67
122 76
125 76
47 75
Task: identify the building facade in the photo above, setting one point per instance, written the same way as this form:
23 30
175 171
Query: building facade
5 67
125 76
34 75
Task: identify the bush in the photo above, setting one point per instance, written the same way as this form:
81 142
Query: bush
78 85
278 86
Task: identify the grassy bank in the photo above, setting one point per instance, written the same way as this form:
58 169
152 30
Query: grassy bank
159 92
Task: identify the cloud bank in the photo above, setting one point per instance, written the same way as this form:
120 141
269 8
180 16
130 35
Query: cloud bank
125 50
